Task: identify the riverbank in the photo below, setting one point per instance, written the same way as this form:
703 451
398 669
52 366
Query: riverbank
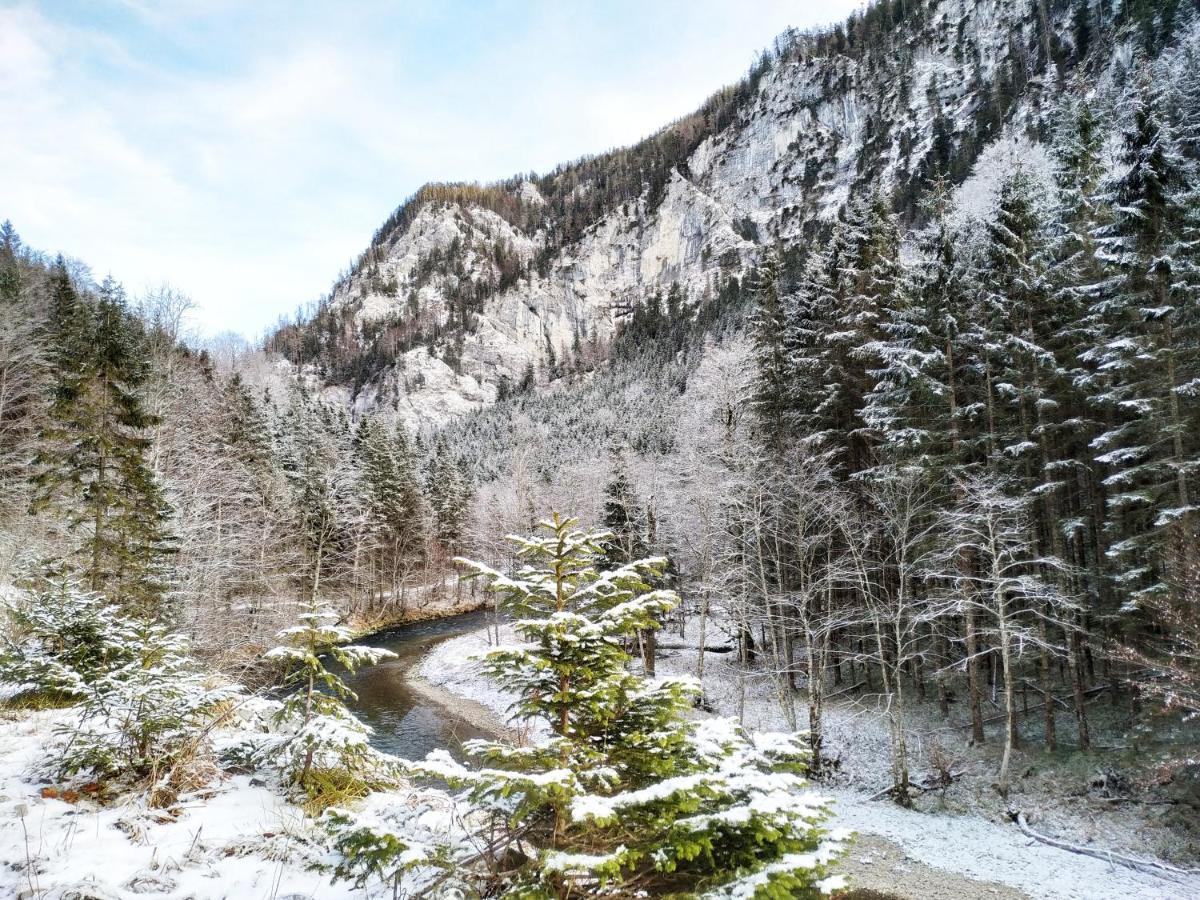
902 853
473 711
423 604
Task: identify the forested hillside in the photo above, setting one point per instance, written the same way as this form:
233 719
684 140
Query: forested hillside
204 497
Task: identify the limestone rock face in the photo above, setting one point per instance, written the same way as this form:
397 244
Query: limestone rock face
817 128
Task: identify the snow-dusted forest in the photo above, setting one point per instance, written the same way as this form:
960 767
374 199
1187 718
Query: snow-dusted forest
799 502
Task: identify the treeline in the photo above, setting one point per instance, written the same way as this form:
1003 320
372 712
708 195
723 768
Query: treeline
129 463
987 456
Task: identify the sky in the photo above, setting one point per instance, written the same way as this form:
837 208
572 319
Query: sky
244 151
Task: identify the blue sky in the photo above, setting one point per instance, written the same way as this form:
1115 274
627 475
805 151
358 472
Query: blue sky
245 150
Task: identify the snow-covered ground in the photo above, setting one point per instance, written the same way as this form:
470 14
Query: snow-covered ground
968 845
236 837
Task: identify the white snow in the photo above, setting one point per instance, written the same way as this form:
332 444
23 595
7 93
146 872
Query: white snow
236 837
968 845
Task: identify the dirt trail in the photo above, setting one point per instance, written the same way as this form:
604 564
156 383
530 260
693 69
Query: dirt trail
879 869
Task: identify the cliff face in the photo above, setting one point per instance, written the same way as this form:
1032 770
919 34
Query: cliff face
469 294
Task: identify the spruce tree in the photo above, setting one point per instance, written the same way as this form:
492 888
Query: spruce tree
1147 323
628 793
771 388
316 733
449 496
622 515
92 460
313 458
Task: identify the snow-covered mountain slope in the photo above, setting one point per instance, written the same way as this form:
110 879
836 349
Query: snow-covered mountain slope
468 289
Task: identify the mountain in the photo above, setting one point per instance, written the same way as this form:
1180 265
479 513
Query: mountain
467 291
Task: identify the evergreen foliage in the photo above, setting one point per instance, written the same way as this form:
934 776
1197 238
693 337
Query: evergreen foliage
92 457
60 639
315 732
627 793
146 715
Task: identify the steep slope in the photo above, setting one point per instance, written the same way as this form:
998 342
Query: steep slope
467 290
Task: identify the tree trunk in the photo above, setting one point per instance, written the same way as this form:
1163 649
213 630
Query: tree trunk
1010 699
974 690
1081 722
1048 739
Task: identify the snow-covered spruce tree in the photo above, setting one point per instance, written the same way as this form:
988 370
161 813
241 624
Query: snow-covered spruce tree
60 638
627 796
369 845
92 462
146 717
313 441
316 732
391 497
767 326
449 493
1147 326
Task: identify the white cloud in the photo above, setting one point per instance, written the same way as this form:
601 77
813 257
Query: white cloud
246 152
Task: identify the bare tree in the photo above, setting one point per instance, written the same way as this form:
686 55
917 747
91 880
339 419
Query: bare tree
888 539
1005 586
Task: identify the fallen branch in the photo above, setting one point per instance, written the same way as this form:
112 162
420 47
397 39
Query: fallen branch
852 687
711 648
1148 866
1037 687
923 786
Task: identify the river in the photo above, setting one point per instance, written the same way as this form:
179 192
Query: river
408 722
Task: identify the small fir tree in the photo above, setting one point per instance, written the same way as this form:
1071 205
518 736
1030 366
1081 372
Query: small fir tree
316 730
59 640
627 793
147 716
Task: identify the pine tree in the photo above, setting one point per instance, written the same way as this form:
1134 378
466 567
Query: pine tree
1014 280
627 794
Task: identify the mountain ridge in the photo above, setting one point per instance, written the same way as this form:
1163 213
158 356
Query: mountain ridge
468 290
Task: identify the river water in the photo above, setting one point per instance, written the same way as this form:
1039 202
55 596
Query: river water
406 722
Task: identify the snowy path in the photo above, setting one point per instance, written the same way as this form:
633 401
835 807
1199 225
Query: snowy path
966 845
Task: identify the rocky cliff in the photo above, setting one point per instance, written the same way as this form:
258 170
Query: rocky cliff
467 290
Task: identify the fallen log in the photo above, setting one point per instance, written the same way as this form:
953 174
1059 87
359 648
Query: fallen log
1147 866
709 648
